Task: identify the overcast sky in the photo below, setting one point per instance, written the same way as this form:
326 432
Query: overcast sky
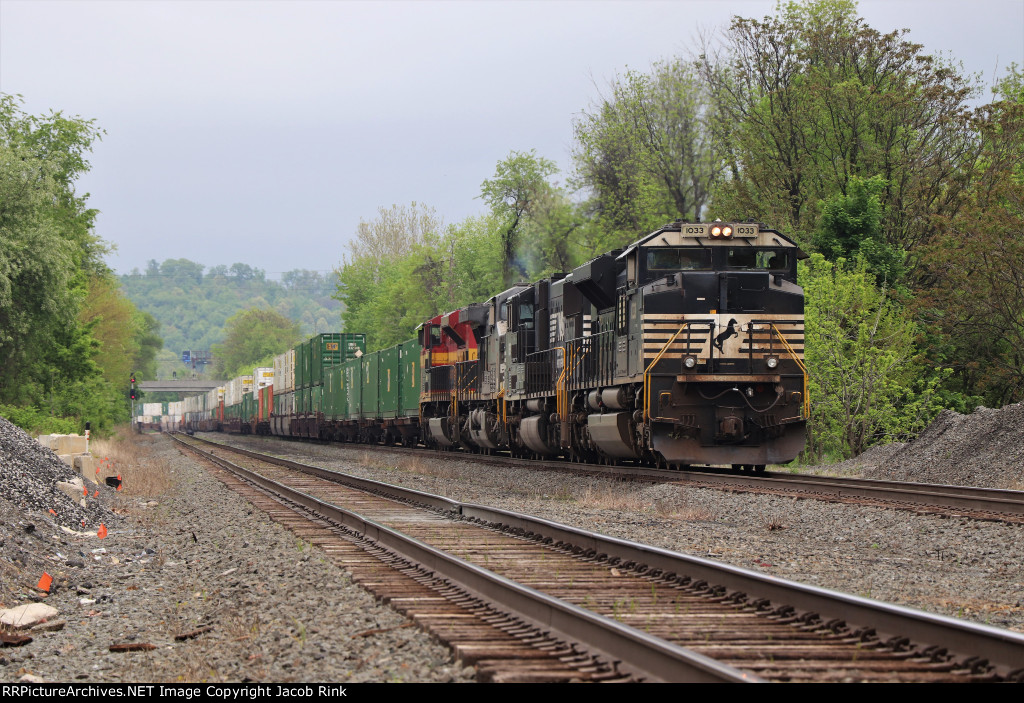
262 132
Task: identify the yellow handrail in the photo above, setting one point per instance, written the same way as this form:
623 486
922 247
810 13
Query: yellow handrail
647 371
800 363
560 386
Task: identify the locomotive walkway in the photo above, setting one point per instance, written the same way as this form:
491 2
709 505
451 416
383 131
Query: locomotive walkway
661 615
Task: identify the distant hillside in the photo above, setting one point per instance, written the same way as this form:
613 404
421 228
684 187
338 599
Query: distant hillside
192 303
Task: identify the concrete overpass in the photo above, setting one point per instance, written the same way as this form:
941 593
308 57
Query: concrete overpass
184 386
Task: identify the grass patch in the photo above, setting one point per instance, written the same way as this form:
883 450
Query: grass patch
131 456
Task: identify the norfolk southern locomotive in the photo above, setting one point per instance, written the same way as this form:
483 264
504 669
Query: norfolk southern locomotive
685 348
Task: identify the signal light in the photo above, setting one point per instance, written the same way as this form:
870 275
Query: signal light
133 394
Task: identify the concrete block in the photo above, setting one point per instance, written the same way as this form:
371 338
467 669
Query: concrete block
71 444
86 464
46 440
68 459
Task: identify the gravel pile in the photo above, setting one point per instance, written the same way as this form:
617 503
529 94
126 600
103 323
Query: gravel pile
29 473
866 465
955 566
201 557
985 448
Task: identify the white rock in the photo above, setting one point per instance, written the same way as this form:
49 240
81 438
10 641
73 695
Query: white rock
70 490
27 615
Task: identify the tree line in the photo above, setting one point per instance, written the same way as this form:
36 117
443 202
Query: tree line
69 338
869 152
196 304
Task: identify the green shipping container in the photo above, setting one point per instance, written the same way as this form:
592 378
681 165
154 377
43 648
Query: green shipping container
389 382
352 345
370 390
352 371
409 392
316 396
334 398
302 365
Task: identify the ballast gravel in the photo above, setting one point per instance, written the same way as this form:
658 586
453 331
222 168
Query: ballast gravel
201 557
278 610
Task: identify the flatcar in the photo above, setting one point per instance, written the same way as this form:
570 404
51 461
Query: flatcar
685 348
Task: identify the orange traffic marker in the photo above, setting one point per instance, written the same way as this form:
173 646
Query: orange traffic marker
85 491
119 484
102 532
96 494
45 582
52 511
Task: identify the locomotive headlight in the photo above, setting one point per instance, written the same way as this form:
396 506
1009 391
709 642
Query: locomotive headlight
727 231
716 231
772 361
689 361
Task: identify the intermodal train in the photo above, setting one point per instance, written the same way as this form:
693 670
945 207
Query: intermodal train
685 348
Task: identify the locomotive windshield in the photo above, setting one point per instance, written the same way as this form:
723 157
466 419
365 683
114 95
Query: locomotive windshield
672 259
758 259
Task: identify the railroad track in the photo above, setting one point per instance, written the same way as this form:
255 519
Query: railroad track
578 605
962 501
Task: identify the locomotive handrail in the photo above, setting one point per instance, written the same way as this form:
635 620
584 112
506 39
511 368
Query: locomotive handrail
647 371
800 363
561 397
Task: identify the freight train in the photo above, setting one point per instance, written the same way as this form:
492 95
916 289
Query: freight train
685 348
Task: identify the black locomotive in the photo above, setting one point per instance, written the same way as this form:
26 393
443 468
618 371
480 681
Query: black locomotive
685 348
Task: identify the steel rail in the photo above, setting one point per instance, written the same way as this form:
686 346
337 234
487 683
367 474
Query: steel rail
1003 649
983 500
634 651
988 500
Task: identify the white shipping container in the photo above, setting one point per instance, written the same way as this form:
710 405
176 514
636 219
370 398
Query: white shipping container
279 371
284 372
152 409
262 377
214 397
236 390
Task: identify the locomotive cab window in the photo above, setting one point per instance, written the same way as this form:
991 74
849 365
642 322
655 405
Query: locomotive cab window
758 259
664 259
526 315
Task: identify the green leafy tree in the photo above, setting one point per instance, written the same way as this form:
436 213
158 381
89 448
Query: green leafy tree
513 195
975 300
851 228
867 381
251 335
645 153
51 359
811 97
